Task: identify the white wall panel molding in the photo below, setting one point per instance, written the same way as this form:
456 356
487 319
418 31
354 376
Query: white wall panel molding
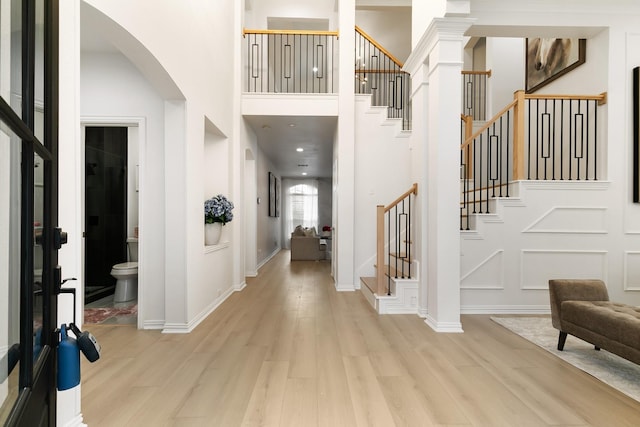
632 271
537 266
566 185
572 220
487 275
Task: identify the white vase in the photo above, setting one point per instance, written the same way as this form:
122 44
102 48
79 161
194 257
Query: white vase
212 233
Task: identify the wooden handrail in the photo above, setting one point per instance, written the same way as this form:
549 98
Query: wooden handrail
246 31
376 44
413 189
381 211
602 98
489 123
380 277
480 73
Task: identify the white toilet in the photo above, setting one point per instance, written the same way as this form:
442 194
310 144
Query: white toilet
126 274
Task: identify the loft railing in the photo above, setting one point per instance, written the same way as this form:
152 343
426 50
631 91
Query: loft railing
379 73
280 61
394 241
474 94
535 137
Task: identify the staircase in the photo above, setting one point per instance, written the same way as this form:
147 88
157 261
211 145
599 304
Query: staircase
394 288
531 204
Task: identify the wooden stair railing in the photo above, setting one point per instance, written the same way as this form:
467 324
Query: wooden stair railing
474 94
535 137
397 218
380 74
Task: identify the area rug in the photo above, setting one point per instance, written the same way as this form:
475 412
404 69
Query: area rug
615 371
103 314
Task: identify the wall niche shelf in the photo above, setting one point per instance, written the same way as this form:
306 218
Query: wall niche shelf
215 248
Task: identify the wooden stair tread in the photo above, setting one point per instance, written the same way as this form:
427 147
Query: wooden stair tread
390 271
371 283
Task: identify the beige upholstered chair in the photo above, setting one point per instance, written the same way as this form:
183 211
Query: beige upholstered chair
306 246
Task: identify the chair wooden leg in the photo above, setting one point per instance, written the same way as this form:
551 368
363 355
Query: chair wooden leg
561 340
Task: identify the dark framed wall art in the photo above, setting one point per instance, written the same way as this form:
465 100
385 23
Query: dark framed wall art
549 58
272 194
636 135
277 198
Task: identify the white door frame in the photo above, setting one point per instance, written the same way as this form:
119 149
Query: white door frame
129 122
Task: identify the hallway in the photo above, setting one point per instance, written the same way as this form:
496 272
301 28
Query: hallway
289 350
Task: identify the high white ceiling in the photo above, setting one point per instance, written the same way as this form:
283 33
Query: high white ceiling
280 136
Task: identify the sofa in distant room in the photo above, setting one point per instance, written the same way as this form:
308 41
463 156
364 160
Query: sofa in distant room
306 245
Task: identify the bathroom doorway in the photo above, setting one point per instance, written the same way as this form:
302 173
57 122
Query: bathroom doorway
105 208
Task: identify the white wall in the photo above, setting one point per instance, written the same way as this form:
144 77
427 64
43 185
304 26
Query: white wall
389 26
324 203
113 89
203 80
574 231
269 229
381 176
256 16
505 59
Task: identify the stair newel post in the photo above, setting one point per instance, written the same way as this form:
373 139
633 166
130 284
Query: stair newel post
380 276
518 135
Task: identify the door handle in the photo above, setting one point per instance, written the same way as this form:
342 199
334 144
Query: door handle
59 237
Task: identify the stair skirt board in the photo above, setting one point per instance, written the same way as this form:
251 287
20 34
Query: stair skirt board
403 301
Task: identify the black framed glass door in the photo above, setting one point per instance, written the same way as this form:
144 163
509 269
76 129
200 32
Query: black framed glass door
28 196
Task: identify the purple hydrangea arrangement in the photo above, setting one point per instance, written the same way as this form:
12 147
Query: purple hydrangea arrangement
218 209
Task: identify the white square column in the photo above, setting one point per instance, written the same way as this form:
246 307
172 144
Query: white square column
435 66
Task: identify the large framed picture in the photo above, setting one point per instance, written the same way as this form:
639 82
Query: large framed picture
548 58
277 198
636 135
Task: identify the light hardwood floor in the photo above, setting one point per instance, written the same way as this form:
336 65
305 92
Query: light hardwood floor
291 351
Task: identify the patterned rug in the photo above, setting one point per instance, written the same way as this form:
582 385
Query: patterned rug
109 314
615 371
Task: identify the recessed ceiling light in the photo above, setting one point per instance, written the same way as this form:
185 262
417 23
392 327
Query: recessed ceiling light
292 125
304 173
299 149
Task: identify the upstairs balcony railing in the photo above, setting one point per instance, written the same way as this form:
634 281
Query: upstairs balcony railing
535 137
281 61
379 73
290 61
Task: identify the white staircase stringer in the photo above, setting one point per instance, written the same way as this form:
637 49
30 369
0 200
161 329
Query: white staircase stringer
403 298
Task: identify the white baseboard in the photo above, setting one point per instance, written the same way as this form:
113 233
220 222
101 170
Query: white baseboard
345 287
153 324
505 309
77 421
240 286
444 327
267 259
185 328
